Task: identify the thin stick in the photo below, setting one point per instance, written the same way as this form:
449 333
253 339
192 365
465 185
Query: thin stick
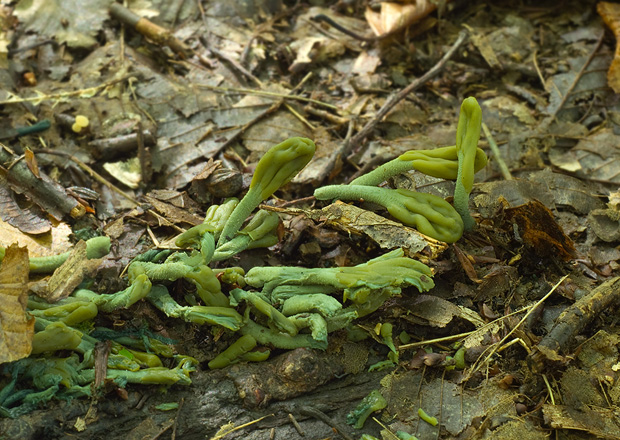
269 94
396 98
495 150
98 177
579 75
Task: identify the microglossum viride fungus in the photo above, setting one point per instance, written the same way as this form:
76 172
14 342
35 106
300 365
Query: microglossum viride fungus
438 162
467 136
276 168
429 214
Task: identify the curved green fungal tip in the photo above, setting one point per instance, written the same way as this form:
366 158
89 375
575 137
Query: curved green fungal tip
276 168
429 214
438 162
386 335
56 336
96 247
467 136
280 164
240 347
428 419
371 403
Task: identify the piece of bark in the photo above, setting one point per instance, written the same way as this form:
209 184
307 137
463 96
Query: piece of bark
571 322
46 193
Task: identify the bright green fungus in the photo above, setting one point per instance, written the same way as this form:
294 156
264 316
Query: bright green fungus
276 168
237 349
282 307
429 214
439 162
467 136
96 247
371 403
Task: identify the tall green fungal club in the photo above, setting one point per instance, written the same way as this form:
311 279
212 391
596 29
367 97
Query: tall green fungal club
467 136
276 168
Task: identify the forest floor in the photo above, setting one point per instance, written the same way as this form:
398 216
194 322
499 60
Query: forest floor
178 121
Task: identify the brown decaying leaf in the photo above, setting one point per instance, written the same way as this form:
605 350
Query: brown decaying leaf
16 328
610 12
31 161
467 265
56 241
539 230
68 276
172 213
25 220
396 16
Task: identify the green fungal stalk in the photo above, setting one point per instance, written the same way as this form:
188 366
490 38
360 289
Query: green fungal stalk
96 247
227 317
371 403
259 232
275 317
467 136
429 214
276 168
439 162
428 419
240 347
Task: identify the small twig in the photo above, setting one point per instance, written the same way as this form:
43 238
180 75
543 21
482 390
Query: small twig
222 56
495 150
174 426
219 435
320 415
578 76
269 94
88 93
350 33
293 420
98 177
397 97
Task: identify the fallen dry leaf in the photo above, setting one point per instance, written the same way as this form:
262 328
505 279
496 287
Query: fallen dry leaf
610 12
395 16
16 328
68 276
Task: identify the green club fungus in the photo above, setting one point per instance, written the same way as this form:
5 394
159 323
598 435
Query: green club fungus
68 311
429 214
274 315
56 336
96 247
320 303
371 403
241 346
428 419
268 336
388 273
259 232
277 167
227 317
438 162
467 136
386 335
139 288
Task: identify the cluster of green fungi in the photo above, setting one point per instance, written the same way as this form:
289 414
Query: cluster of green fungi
274 307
